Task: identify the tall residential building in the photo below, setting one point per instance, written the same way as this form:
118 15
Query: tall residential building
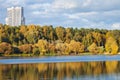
15 16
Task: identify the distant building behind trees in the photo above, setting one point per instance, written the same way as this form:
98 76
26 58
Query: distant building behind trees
15 16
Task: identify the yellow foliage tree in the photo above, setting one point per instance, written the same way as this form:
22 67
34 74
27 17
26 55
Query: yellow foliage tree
93 48
111 45
60 31
60 47
98 38
23 29
76 47
52 48
43 46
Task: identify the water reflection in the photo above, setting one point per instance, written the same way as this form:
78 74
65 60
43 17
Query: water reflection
61 71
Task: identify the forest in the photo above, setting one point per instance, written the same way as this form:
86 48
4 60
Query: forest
49 40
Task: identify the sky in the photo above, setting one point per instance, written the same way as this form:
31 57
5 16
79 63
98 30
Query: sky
102 14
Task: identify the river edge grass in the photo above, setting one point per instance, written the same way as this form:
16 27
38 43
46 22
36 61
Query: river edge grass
52 54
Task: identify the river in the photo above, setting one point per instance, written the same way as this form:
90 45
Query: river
60 68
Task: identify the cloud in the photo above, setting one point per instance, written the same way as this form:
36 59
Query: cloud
64 4
74 13
39 6
81 14
9 3
116 26
101 5
88 2
42 14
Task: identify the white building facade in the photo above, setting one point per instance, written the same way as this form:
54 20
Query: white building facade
15 16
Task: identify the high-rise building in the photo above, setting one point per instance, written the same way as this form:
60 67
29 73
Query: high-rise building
15 16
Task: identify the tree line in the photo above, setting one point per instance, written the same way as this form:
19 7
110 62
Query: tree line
42 40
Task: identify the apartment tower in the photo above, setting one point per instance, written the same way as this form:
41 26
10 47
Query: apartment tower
15 16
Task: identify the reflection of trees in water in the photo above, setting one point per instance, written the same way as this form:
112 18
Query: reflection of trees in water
57 70
111 66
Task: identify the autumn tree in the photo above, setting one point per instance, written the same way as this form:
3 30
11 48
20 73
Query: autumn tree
6 48
77 37
76 47
60 47
60 31
35 51
111 45
87 40
52 35
67 49
97 38
116 34
43 46
72 39
26 48
52 48
93 48
32 34
69 35
23 29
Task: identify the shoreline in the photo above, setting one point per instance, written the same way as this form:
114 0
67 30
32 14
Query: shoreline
47 55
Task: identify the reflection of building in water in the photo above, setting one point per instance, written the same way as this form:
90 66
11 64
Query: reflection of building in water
15 16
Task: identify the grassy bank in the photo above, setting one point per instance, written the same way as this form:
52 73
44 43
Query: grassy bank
50 54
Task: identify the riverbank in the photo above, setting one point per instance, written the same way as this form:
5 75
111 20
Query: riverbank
51 54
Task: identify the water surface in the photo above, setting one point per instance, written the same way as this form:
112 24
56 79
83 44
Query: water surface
61 68
54 59
108 70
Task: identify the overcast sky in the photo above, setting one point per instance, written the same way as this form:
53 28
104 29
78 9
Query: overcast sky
68 13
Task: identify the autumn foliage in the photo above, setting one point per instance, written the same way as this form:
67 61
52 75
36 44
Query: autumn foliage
42 40
6 48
